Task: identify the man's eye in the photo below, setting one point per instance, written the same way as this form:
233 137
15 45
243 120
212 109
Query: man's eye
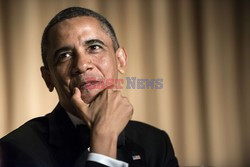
95 48
64 57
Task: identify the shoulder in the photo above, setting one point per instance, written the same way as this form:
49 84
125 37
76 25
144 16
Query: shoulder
141 125
136 128
29 131
147 135
18 146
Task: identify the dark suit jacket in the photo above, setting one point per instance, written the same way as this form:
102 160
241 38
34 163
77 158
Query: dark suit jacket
52 141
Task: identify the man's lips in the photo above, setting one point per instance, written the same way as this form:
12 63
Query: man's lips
89 84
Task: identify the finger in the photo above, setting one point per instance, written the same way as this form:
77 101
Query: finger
76 94
80 105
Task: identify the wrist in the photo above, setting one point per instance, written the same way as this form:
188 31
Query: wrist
104 143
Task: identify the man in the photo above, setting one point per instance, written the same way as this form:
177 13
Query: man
90 126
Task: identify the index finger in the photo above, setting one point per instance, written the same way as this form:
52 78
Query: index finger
80 105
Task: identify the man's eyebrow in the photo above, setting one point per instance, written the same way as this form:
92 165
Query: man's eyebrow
63 49
87 42
93 41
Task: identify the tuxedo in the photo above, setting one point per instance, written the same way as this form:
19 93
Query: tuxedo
53 141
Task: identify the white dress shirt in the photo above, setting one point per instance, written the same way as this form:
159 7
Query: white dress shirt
99 158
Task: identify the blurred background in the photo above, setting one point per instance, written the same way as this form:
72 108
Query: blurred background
200 48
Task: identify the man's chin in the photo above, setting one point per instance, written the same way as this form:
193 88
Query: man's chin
90 95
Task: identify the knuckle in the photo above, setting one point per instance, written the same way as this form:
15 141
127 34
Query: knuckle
132 110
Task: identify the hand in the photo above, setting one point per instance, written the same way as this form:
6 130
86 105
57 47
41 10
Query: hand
106 116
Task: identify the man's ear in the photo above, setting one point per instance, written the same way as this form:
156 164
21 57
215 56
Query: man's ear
122 59
47 78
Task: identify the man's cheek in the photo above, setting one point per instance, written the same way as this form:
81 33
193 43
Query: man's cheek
63 89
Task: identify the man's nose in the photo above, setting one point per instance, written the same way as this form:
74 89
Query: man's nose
82 63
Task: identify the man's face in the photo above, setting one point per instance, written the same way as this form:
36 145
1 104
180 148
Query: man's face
80 54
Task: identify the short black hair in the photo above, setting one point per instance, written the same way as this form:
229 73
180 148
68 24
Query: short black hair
72 12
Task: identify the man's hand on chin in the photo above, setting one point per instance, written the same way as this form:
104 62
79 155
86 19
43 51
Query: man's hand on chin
107 115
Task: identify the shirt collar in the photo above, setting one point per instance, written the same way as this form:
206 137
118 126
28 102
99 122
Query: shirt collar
75 120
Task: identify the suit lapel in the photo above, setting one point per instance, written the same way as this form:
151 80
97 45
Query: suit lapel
63 137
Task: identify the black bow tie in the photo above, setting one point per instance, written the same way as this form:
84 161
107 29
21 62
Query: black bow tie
83 134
